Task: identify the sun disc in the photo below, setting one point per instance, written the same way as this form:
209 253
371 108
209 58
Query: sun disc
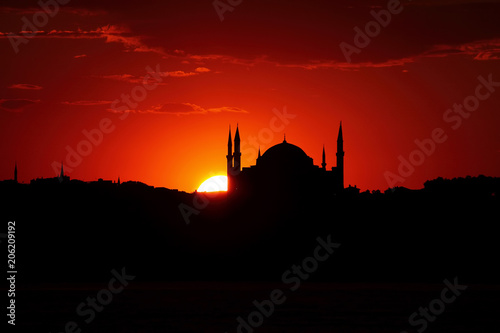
214 184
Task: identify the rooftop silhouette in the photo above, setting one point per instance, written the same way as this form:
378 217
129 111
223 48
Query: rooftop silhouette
268 217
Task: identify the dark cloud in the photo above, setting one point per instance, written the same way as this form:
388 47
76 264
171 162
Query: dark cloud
180 109
292 33
25 86
87 103
16 105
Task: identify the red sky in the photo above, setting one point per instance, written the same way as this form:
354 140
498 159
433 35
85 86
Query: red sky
263 56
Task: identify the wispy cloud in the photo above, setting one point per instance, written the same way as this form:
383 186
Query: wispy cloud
487 56
181 109
16 105
223 58
181 74
309 65
25 86
80 56
121 77
202 70
478 50
136 79
87 103
110 33
314 65
197 71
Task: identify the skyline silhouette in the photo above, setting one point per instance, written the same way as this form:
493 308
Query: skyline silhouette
282 195
276 161
254 233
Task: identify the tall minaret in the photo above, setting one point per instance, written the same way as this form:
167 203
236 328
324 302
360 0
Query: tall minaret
15 172
340 157
323 164
62 171
229 155
237 153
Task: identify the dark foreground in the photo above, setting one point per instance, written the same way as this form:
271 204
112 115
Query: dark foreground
215 307
86 253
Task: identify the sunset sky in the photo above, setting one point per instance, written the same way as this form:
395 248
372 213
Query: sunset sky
79 69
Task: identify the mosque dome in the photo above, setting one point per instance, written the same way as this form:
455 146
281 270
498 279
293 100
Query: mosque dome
285 156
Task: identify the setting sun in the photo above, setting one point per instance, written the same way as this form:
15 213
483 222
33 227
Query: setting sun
214 184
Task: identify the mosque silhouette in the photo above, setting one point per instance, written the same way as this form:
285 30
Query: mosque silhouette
283 167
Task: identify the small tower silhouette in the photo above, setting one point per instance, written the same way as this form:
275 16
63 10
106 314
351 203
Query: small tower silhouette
229 155
233 160
323 163
15 172
61 176
237 152
340 158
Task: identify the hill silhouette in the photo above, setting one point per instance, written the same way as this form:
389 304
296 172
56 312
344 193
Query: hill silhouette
79 231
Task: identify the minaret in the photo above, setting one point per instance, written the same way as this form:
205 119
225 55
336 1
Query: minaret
15 173
323 164
340 158
62 171
259 153
229 155
237 153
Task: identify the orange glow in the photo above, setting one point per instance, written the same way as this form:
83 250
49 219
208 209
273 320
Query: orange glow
214 184
151 100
